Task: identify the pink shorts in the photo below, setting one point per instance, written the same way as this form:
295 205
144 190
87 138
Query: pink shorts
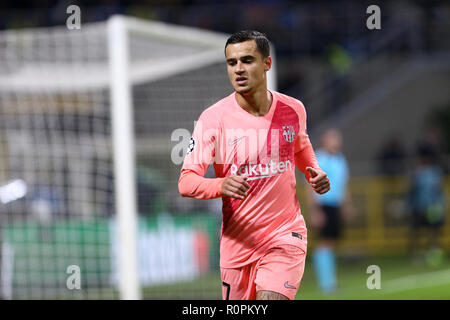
279 270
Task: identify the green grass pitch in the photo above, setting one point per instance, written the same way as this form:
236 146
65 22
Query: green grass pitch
401 278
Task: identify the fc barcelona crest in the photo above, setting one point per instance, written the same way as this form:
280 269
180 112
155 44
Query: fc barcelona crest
289 133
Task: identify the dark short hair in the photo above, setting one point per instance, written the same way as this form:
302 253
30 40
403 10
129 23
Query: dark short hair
260 38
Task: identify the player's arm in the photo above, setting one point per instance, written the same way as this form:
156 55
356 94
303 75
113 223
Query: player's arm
192 182
194 185
305 158
306 162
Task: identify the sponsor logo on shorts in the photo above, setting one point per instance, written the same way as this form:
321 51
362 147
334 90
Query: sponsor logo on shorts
287 285
298 235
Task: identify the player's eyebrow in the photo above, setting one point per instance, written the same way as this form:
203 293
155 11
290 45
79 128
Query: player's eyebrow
247 57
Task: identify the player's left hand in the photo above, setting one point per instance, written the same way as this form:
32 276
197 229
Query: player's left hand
319 180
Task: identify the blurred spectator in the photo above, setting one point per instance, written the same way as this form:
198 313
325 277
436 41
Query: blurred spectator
326 210
391 158
432 140
426 201
338 78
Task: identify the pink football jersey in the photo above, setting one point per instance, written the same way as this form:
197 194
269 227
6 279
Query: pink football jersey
266 150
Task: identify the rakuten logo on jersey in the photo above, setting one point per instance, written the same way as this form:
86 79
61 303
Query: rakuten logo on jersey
262 170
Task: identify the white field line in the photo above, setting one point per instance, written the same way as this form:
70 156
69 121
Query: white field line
417 281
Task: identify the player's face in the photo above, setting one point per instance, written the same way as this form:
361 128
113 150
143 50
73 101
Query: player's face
246 67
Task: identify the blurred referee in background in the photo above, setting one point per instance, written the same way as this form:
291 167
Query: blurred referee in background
326 209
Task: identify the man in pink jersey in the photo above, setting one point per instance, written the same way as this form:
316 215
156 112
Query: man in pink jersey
254 138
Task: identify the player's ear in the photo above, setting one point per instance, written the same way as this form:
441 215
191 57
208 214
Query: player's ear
267 63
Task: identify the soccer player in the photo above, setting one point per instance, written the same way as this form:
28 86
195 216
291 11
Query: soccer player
426 201
254 138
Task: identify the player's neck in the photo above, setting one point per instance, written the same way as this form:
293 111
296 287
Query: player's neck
257 103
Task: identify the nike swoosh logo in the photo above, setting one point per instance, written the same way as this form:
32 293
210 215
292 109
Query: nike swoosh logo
234 141
287 285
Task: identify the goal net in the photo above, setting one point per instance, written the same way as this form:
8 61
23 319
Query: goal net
90 122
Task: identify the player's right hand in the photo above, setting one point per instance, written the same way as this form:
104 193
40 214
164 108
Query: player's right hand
235 186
